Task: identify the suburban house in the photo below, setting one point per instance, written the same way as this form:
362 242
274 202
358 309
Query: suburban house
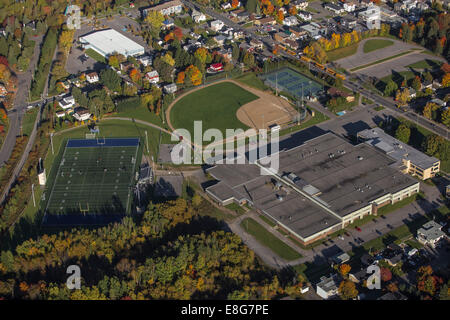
198 16
215 67
60 114
292 43
409 159
304 15
358 276
265 21
226 53
220 39
170 88
216 25
371 17
67 102
334 7
334 92
168 23
166 8
340 258
314 30
296 32
349 6
152 76
92 77
439 102
81 114
290 21
256 44
328 286
430 234
349 21
145 60
300 4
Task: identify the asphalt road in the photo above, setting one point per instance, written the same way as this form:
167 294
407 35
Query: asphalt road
15 114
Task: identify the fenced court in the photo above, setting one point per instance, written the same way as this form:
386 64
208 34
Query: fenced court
94 181
291 81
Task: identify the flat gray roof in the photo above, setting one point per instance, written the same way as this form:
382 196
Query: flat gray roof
395 148
343 177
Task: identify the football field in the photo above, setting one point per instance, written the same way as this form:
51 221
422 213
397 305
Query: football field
95 178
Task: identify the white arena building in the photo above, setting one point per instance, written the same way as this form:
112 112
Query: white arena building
109 41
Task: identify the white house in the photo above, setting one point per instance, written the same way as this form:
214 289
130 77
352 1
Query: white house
349 6
60 114
226 6
328 286
81 114
170 88
198 16
430 233
337 9
145 60
152 76
290 21
92 77
216 25
304 15
300 4
67 102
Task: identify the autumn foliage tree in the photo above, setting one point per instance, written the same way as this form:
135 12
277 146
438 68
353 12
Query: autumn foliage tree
347 290
194 75
180 77
344 269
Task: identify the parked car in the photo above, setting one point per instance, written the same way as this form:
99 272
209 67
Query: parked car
358 229
378 232
389 226
383 217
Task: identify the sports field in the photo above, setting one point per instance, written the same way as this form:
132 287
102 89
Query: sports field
93 181
215 106
292 82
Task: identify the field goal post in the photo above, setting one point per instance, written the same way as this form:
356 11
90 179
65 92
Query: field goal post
85 209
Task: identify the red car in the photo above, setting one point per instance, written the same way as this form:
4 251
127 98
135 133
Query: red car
358 228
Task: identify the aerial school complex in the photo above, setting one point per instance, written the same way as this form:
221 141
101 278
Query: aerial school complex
93 183
322 185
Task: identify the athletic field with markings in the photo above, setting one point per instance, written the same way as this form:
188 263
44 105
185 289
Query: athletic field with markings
94 182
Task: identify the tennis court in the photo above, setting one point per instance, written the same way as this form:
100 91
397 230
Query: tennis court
292 82
95 177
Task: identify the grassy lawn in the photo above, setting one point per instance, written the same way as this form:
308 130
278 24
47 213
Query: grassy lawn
267 220
269 240
28 121
215 106
340 53
235 207
381 60
96 56
318 118
375 44
142 113
251 80
426 64
392 207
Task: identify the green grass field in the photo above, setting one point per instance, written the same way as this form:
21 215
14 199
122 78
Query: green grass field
96 56
426 64
215 106
251 80
94 178
375 44
340 53
269 240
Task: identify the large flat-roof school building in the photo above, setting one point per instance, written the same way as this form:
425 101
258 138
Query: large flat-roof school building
409 159
322 185
109 41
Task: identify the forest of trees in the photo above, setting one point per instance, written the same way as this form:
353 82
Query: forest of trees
171 253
